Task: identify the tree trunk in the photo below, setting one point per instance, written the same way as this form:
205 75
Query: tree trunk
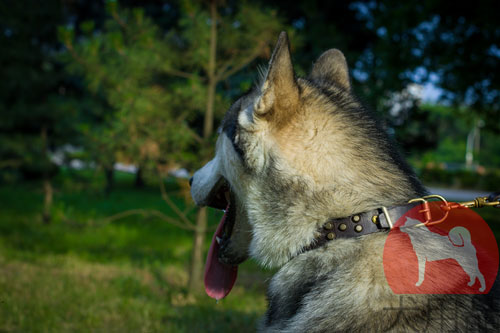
47 185
109 172
195 271
47 200
139 180
209 113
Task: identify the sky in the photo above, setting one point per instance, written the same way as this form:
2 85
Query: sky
431 93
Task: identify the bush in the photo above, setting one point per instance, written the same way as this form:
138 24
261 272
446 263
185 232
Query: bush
466 179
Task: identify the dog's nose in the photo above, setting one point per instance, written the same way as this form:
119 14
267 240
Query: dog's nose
190 181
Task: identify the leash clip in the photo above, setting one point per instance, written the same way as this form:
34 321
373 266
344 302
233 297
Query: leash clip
426 211
493 200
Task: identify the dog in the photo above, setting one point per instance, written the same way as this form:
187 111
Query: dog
293 153
431 246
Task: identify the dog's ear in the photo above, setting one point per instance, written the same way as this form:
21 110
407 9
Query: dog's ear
332 66
279 92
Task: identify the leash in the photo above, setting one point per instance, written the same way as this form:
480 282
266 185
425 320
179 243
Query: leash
384 218
493 200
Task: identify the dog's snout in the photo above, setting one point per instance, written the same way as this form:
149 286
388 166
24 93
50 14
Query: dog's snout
191 181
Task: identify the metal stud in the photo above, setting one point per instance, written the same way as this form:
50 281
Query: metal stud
331 235
375 219
342 227
356 218
328 225
358 228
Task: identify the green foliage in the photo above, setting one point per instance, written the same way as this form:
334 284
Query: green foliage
442 136
244 32
436 176
443 163
36 114
489 154
152 85
123 64
454 44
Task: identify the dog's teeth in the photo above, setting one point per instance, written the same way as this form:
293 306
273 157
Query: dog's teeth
217 238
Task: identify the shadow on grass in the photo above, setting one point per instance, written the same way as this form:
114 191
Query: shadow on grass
207 318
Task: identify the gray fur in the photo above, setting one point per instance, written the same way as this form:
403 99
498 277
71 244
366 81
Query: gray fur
297 152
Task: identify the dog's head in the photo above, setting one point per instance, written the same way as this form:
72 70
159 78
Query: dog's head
292 153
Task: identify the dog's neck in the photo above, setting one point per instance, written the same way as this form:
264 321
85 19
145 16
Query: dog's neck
288 226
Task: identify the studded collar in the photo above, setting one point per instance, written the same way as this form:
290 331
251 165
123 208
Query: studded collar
376 220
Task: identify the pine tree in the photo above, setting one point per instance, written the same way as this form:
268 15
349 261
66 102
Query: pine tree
160 86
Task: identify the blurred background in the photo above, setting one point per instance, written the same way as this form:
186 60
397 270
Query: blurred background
108 107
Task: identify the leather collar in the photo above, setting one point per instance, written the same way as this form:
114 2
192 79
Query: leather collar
376 220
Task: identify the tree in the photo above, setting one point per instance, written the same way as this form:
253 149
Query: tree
37 115
236 36
124 65
164 89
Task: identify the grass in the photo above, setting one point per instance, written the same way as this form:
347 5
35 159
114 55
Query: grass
82 274
65 293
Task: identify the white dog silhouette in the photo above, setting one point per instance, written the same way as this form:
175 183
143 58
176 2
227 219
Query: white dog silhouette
430 246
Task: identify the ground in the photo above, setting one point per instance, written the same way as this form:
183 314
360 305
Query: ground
82 274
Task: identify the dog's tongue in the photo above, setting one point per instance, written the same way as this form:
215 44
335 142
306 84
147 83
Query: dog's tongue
219 278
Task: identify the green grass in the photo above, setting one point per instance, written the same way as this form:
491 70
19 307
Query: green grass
65 293
83 274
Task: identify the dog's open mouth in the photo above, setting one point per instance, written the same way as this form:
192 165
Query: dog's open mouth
220 277
222 199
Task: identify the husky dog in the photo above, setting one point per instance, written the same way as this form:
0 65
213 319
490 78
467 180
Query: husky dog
292 154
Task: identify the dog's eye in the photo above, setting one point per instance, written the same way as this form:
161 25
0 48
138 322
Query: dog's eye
234 140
